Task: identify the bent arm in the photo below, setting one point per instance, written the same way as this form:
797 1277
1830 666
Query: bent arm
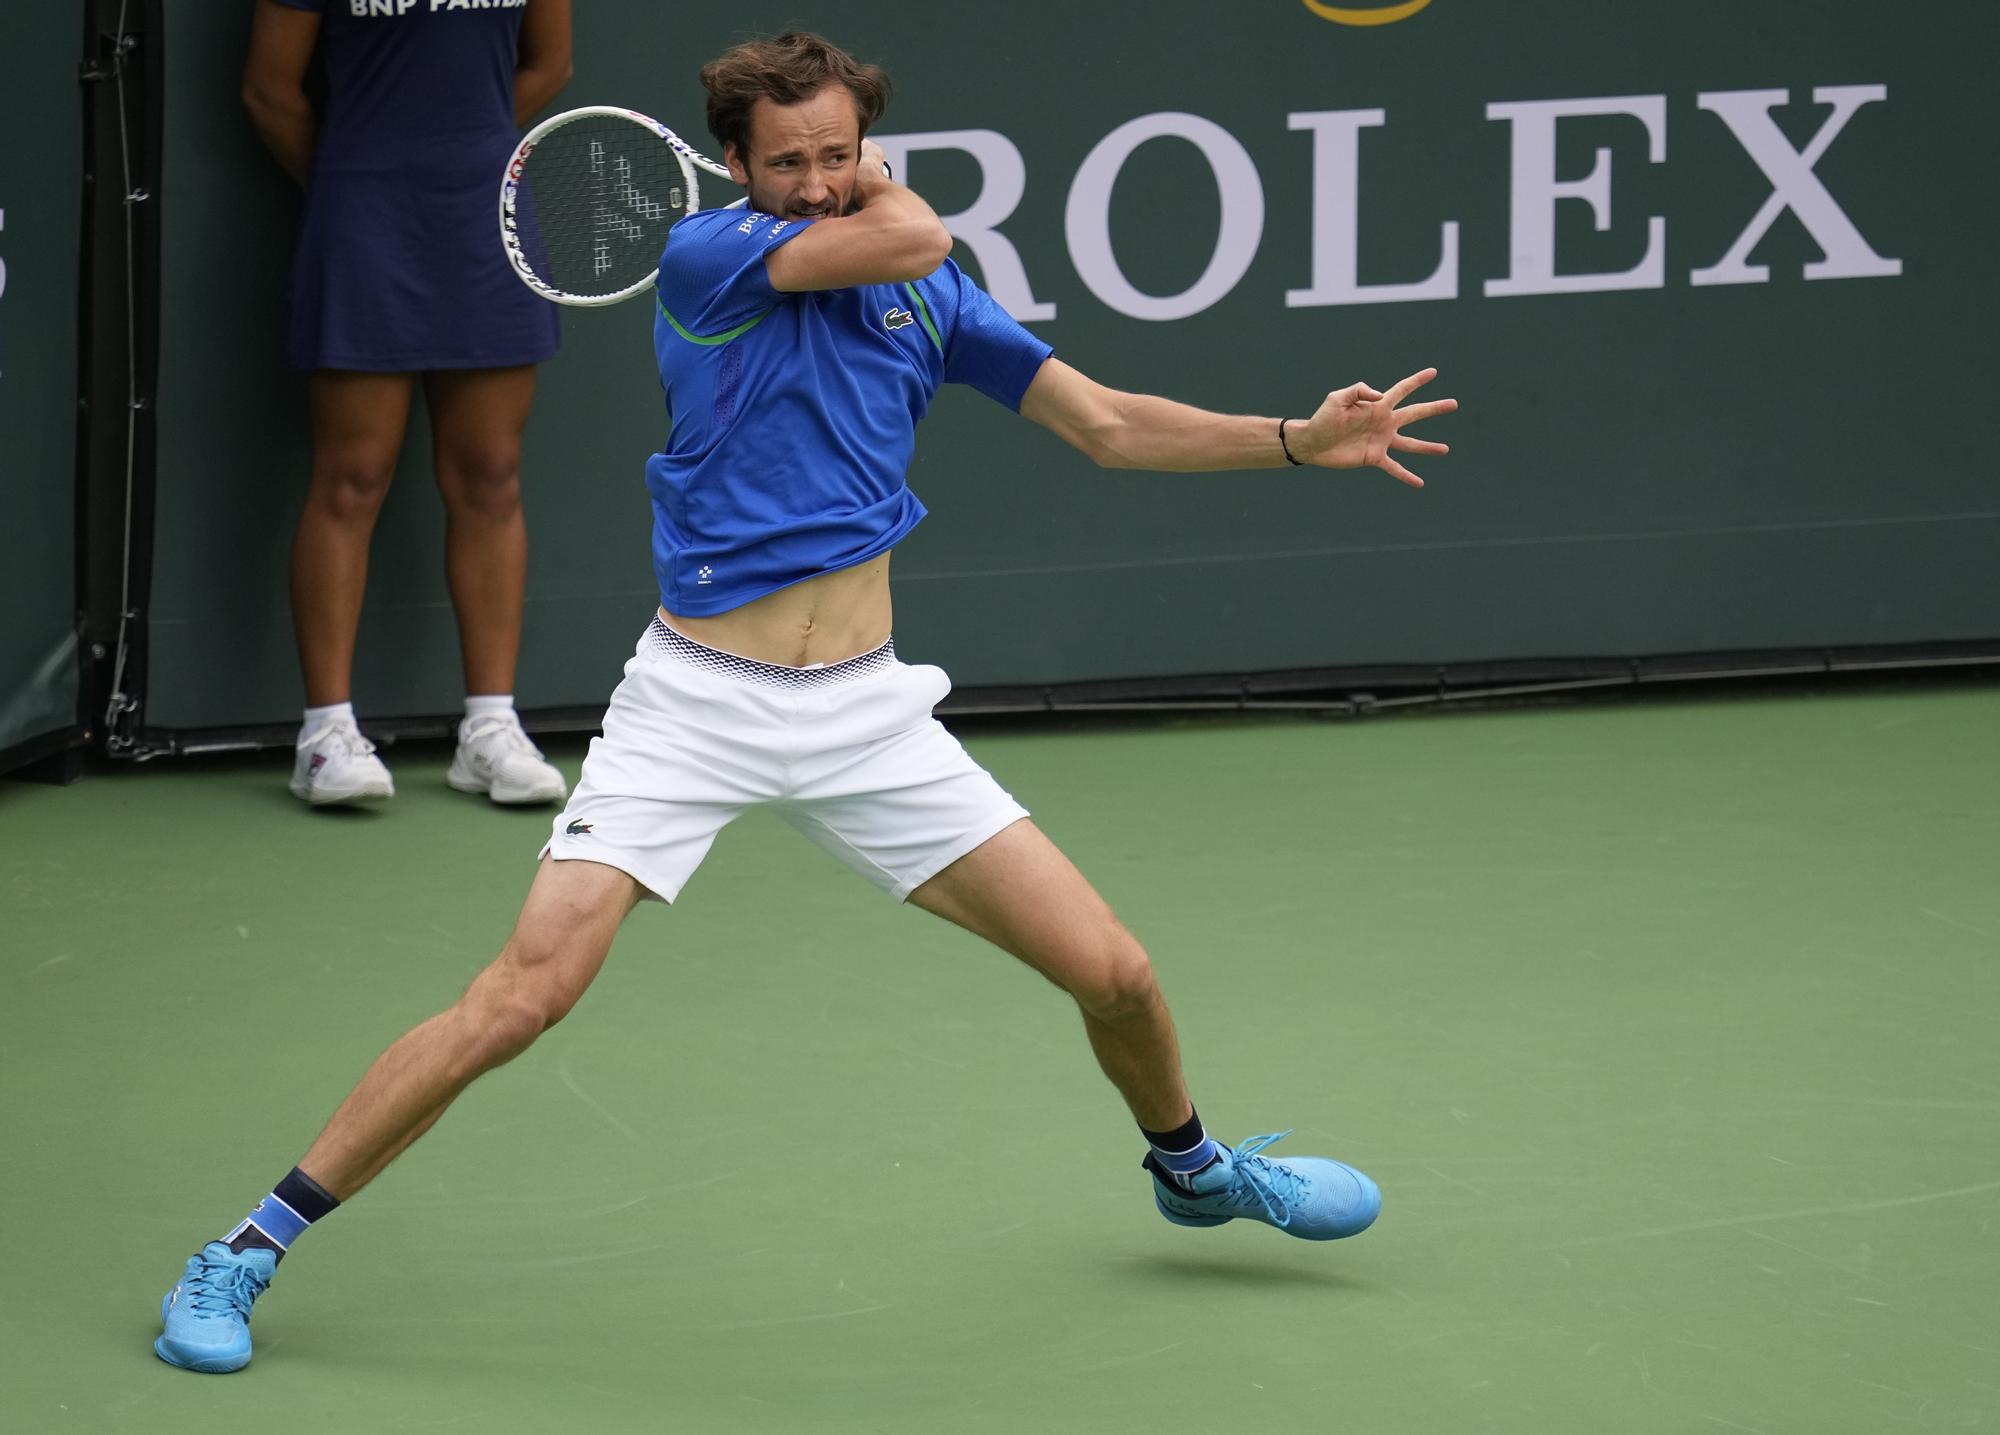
544 65
281 47
892 237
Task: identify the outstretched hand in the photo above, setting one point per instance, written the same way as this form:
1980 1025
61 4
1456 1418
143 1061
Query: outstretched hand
1358 427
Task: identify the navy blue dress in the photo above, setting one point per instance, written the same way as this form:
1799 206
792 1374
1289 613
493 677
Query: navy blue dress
399 267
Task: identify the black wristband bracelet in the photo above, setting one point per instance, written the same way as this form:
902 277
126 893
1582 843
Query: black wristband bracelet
1285 446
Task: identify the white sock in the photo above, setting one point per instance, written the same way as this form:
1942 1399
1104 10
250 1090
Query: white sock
317 718
487 705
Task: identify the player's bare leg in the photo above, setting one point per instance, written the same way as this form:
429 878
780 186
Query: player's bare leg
559 946
1020 893
565 930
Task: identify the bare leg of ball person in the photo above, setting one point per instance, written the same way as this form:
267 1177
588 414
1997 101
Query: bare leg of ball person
357 423
477 416
565 930
1020 893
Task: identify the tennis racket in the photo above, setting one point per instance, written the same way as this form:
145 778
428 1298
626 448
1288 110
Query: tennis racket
588 197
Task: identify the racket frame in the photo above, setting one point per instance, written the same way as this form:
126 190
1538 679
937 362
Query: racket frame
692 163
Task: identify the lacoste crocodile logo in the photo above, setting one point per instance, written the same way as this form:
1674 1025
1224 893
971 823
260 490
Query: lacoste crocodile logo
578 829
898 319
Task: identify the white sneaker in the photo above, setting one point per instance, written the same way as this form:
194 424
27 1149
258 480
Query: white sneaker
495 757
336 764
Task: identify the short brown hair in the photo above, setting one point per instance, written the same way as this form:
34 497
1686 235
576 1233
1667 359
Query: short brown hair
787 70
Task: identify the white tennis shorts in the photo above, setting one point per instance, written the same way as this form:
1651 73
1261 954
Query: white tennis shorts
849 754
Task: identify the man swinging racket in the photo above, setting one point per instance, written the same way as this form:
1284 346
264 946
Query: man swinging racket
799 341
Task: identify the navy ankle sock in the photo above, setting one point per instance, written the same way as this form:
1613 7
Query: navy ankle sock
282 1217
1184 1150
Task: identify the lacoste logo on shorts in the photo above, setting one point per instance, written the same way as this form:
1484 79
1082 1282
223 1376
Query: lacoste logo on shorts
578 829
899 319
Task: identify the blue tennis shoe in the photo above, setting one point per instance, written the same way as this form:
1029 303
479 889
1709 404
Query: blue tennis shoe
207 1315
1305 1196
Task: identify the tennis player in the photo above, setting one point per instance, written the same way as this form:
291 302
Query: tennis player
799 340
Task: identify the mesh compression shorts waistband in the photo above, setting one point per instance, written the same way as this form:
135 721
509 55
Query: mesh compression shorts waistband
676 647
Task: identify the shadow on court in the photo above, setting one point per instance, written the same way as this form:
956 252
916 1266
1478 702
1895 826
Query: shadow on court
1279 1269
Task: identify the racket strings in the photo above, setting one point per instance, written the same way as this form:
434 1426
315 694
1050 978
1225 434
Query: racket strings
594 203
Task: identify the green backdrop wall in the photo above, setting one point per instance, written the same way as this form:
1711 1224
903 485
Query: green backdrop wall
40 198
1708 278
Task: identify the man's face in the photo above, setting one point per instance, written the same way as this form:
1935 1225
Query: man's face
801 158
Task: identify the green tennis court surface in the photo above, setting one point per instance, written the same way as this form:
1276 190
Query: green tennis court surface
1668 1030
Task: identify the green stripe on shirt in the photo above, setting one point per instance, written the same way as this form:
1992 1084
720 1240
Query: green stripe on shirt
924 313
681 329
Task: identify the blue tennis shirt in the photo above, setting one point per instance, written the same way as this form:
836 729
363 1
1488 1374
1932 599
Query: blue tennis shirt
793 416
